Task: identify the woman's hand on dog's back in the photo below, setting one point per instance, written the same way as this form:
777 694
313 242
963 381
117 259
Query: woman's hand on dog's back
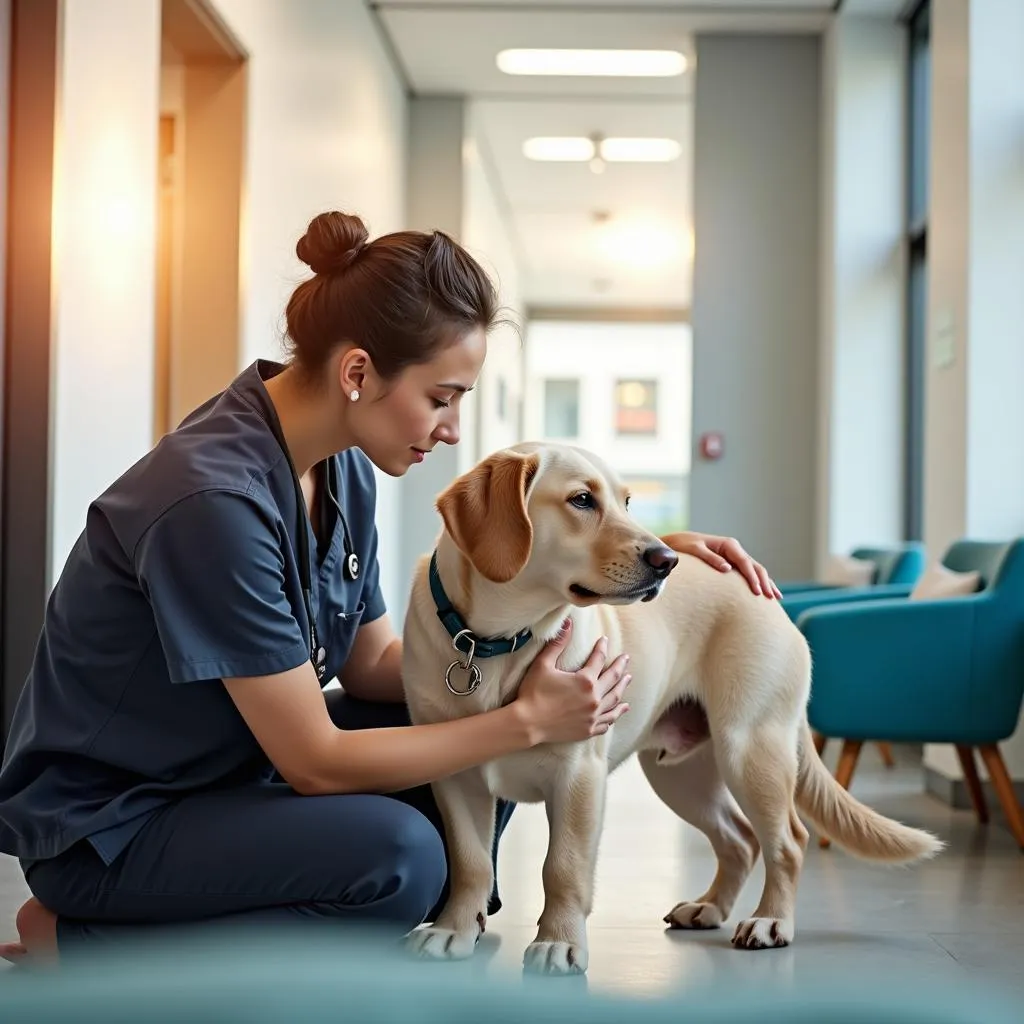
566 707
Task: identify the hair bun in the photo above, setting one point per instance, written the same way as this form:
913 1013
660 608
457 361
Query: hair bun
331 242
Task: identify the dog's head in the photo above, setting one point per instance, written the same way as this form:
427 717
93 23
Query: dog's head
554 517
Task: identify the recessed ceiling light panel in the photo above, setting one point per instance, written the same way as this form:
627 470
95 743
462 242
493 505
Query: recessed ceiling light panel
640 150
581 149
552 147
593 63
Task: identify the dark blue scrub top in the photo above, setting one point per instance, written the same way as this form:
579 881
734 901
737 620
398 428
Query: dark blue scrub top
186 573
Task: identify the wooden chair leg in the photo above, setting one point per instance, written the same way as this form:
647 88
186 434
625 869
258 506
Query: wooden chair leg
977 794
1004 789
844 773
819 743
886 751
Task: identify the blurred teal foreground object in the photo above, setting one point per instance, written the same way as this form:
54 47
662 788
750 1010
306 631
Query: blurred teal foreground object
346 977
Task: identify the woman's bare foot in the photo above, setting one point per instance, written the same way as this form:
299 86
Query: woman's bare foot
37 935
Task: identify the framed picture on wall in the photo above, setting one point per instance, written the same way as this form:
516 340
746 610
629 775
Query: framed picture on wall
636 407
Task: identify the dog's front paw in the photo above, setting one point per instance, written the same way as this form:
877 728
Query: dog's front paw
763 933
435 943
555 958
694 915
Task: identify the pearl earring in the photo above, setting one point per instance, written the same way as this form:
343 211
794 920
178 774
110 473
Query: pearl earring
354 395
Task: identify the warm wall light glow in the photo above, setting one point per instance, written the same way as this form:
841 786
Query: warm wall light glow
610 63
570 149
107 221
640 150
118 217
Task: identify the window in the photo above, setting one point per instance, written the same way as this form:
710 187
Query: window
659 502
502 399
561 409
636 407
919 105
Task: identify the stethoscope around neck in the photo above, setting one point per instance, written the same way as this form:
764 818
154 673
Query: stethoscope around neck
350 567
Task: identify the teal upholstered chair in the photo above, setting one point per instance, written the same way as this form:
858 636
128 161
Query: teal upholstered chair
897 570
949 670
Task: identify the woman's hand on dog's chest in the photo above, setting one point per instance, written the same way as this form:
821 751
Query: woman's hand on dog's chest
565 706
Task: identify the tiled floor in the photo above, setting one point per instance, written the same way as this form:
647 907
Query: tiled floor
961 915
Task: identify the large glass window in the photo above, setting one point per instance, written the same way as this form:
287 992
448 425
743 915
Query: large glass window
919 106
561 409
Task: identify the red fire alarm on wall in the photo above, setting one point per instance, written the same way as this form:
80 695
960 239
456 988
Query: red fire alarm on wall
712 445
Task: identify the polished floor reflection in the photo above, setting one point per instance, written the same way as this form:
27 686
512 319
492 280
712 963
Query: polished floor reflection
962 912
958 916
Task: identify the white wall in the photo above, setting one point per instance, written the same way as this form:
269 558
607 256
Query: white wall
104 254
995 496
487 236
326 125
435 203
452 189
326 131
597 354
861 383
757 127
974 432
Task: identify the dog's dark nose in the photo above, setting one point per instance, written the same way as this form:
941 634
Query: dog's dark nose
661 559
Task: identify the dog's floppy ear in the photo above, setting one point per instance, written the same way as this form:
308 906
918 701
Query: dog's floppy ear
484 512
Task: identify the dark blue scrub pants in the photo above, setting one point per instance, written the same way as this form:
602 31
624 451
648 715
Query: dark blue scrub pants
264 855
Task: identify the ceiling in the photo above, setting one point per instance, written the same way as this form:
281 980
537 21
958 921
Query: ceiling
583 238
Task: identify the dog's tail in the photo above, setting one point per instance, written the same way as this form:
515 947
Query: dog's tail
849 823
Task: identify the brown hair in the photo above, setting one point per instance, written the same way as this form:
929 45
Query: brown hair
402 297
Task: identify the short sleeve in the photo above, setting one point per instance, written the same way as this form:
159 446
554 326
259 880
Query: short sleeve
213 569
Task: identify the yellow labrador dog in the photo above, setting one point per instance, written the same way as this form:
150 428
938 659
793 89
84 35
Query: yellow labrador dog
717 713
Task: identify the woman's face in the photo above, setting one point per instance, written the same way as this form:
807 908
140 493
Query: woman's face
397 423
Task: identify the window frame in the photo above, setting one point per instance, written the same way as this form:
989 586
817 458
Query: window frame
918 86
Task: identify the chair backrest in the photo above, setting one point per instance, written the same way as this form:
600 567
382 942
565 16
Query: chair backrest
998 648
903 563
992 559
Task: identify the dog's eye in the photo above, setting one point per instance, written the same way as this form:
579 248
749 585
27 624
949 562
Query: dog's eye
583 500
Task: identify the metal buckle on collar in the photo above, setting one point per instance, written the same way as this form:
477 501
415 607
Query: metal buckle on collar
468 666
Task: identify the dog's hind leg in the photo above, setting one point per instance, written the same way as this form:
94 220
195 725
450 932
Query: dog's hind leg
694 789
759 764
575 811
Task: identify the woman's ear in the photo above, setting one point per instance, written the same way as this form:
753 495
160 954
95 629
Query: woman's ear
354 369
484 513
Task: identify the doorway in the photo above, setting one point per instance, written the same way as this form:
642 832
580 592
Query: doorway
199 210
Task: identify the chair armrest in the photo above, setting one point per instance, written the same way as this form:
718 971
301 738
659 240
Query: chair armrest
803 586
891 669
803 601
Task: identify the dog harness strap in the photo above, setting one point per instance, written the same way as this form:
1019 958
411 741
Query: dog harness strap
463 638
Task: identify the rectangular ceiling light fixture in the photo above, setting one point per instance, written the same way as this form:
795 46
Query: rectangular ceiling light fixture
554 148
609 63
580 149
645 151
